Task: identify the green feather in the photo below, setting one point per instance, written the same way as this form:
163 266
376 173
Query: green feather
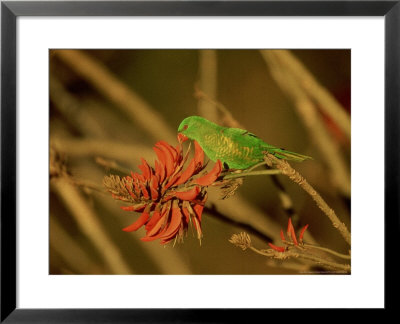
234 147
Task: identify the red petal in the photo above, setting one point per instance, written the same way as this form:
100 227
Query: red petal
128 187
138 223
186 213
164 215
161 157
187 195
160 171
172 227
302 233
198 209
133 208
170 183
154 187
185 175
148 238
277 248
154 219
198 154
282 236
210 177
146 170
135 184
184 159
175 222
153 231
178 149
167 240
128 208
169 160
167 197
128 178
290 225
292 232
117 197
182 138
170 148
144 191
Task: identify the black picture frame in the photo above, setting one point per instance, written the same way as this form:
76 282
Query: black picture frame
390 10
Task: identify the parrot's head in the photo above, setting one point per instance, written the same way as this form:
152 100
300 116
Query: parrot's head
190 127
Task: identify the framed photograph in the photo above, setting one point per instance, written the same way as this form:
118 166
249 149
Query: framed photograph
197 160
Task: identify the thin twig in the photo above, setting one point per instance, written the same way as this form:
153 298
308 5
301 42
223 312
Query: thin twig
243 241
339 255
256 166
296 177
305 245
321 261
251 173
315 259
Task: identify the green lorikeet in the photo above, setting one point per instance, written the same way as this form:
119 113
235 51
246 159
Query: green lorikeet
236 148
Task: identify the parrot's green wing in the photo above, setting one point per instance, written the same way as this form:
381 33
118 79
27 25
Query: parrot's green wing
237 131
251 140
245 137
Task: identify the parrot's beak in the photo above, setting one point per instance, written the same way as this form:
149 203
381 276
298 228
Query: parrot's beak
182 138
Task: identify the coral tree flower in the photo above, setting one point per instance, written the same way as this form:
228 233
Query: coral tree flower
169 196
292 236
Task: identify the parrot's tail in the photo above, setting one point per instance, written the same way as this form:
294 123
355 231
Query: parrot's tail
287 155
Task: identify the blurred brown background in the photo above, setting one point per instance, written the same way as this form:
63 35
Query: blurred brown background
111 106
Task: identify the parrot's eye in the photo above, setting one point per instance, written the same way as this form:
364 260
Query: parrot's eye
185 127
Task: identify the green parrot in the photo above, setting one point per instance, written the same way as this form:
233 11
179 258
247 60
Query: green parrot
236 148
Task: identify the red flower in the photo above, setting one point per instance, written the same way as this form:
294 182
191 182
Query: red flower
169 195
291 234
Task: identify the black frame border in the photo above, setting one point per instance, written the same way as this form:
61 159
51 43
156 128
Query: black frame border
11 10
